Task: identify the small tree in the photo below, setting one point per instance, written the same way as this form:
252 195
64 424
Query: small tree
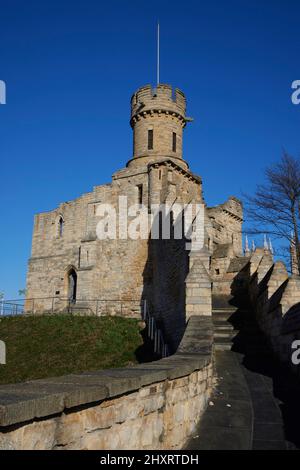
275 206
22 292
1 303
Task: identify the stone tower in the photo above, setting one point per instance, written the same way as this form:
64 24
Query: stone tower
73 269
157 119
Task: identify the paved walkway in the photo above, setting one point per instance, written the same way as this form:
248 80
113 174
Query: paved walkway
256 402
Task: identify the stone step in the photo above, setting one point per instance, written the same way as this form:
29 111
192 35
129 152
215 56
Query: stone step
222 343
222 346
226 339
223 301
224 309
222 325
225 334
221 316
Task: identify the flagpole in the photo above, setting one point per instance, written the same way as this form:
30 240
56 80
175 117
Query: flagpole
158 54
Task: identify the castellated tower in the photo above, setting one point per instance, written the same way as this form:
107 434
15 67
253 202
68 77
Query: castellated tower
73 269
157 119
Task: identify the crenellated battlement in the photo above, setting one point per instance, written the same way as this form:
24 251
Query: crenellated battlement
158 117
163 97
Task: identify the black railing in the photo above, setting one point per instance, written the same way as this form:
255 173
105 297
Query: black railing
9 308
53 305
154 332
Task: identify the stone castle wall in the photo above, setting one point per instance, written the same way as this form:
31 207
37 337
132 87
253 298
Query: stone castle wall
275 297
226 222
109 269
116 276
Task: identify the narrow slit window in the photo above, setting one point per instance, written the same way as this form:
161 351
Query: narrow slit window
79 257
61 227
160 226
140 194
174 142
150 139
171 225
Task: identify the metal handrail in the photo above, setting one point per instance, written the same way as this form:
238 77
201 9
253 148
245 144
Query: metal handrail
77 300
94 305
8 308
154 333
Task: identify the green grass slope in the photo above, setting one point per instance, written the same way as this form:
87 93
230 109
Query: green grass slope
48 346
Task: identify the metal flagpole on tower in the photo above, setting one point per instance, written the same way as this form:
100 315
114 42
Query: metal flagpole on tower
158 53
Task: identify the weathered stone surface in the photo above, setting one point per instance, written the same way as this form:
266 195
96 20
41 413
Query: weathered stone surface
150 406
58 393
160 416
106 385
17 405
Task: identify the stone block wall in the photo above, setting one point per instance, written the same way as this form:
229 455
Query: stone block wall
151 406
226 225
114 277
276 302
106 269
198 288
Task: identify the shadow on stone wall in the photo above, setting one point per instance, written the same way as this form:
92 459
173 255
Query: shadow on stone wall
164 285
281 383
258 351
145 352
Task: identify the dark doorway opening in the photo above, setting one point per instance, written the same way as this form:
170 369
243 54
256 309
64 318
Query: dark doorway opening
72 286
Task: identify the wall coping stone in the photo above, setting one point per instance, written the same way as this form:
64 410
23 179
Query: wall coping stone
41 398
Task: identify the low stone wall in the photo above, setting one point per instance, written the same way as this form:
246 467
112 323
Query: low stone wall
151 406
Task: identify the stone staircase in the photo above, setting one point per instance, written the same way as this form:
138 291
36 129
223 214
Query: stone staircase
255 402
235 326
224 331
222 315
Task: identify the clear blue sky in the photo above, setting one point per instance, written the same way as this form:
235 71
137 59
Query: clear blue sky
71 67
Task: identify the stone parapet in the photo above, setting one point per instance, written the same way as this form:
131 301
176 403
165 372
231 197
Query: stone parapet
275 299
151 406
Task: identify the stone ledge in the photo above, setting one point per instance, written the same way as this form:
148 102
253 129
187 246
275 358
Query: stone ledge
27 401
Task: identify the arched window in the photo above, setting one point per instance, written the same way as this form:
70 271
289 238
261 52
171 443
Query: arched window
72 285
61 223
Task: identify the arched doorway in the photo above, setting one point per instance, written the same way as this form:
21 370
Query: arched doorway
72 286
